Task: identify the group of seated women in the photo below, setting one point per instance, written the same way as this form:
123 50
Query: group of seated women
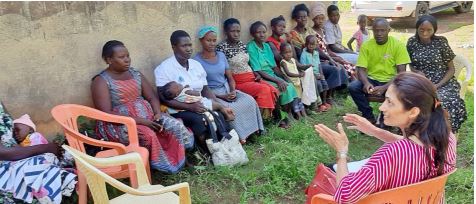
265 78
281 76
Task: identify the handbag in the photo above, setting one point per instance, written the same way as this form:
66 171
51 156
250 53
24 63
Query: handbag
323 182
227 151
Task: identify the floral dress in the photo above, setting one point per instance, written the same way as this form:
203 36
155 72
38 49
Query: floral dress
166 148
322 45
432 60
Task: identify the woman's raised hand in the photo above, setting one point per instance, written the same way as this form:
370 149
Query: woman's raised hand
360 123
337 140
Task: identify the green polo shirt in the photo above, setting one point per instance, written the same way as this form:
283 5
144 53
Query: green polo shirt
381 60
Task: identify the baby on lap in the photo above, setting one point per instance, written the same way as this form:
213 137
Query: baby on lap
175 91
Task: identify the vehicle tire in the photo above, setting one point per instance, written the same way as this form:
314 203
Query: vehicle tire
422 8
464 7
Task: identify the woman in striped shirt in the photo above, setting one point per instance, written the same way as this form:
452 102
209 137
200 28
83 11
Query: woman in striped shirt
427 148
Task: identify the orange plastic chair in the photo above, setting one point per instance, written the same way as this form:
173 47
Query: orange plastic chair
67 115
428 191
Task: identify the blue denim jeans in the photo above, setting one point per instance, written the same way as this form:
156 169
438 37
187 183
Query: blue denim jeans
356 90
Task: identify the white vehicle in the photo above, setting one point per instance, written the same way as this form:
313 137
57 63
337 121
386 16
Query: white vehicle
404 9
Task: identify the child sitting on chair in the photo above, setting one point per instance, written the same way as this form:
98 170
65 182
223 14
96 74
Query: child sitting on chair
175 91
24 132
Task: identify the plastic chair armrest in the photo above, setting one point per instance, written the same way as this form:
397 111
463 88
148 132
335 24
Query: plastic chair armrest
120 148
322 197
182 188
128 158
129 122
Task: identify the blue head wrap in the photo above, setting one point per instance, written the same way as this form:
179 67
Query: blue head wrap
205 29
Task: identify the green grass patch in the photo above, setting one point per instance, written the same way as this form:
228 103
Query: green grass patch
282 163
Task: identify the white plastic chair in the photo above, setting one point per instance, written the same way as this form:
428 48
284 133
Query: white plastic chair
461 62
145 193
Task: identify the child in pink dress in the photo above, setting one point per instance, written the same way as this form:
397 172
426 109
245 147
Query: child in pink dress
360 35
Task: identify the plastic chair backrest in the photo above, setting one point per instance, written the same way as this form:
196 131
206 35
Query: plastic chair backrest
461 62
428 191
67 115
97 179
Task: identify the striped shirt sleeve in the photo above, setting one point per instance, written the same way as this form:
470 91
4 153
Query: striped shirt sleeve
370 178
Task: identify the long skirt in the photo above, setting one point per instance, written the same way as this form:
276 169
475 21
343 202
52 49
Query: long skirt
247 115
166 148
451 101
335 77
264 94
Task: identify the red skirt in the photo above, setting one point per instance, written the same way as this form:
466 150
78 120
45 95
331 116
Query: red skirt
264 93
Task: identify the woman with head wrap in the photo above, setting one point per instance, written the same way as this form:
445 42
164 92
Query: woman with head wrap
318 17
220 80
334 75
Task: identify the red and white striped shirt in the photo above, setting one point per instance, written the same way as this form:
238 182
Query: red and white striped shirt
393 165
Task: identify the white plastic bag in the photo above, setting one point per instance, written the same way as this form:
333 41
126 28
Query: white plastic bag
308 87
228 151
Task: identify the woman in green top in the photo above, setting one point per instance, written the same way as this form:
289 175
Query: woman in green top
262 61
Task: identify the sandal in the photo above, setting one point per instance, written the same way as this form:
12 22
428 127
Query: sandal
322 108
283 124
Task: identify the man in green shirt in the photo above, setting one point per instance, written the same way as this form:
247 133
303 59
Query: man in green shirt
380 59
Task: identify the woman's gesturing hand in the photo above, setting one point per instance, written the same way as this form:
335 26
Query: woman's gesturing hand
337 140
360 123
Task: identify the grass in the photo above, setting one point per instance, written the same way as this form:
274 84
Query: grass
460 186
282 164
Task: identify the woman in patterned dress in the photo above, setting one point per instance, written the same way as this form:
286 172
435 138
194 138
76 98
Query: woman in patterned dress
246 80
318 17
432 56
335 73
122 90
22 167
247 114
